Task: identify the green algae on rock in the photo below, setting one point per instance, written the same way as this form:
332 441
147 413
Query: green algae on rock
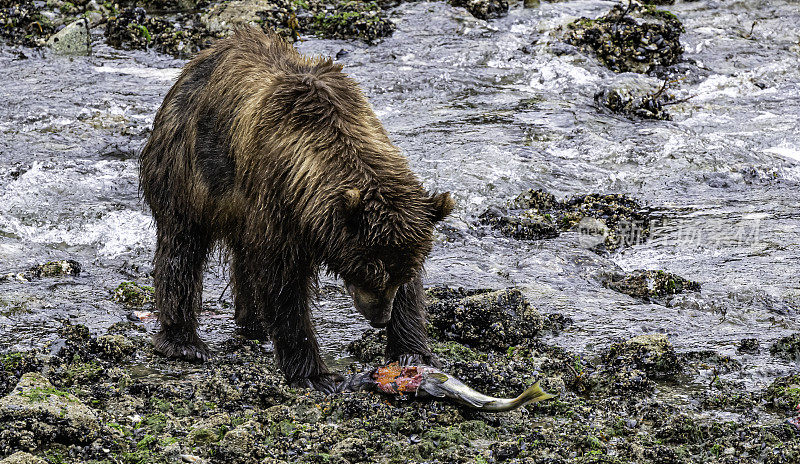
650 285
61 417
22 23
615 220
784 393
787 347
133 294
632 38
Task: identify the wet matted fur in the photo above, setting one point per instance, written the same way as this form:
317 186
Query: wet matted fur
281 158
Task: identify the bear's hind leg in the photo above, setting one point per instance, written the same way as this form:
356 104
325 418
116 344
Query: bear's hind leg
407 337
248 312
178 281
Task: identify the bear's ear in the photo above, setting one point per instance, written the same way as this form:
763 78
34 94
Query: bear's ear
443 205
351 202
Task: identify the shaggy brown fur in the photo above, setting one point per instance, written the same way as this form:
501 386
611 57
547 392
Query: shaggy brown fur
282 159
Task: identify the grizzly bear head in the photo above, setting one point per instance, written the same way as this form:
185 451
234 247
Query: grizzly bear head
388 242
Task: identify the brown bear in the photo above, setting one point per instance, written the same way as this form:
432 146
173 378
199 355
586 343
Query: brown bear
280 158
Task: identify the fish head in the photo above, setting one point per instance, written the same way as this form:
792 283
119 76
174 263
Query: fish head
374 304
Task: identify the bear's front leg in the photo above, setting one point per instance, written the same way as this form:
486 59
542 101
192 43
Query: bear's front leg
407 336
285 311
178 281
297 353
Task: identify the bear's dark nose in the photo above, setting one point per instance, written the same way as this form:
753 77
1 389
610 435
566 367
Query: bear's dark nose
378 325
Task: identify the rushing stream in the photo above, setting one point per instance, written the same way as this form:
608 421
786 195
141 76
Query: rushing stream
484 110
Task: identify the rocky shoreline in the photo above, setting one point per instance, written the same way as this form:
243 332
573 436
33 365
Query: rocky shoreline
109 399
181 28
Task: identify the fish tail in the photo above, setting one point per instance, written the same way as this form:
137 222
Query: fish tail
534 393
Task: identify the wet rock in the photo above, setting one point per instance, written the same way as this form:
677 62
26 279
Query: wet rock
370 347
611 221
133 29
494 320
224 17
352 449
784 393
72 40
13 365
503 451
50 414
132 294
22 457
291 19
726 396
241 443
627 103
787 347
710 360
618 381
748 345
209 430
23 23
483 9
116 347
349 19
64 267
651 353
630 38
650 285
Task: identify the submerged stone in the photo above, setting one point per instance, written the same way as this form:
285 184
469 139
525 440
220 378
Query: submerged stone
611 221
483 9
787 347
630 38
648 284
632 104
72 40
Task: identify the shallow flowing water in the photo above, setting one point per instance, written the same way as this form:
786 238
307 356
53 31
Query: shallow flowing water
484 110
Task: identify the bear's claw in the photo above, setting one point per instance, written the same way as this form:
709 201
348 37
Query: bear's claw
327 383
415 359
193 350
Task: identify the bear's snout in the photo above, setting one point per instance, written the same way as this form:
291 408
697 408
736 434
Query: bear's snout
375 307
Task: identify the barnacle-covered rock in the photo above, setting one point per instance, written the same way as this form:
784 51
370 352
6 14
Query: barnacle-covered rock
483 9
492 320
637 105
650 285
615 220
133 29
787 347
651 353
630 38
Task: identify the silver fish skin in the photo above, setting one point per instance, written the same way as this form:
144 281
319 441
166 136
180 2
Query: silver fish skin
438 384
